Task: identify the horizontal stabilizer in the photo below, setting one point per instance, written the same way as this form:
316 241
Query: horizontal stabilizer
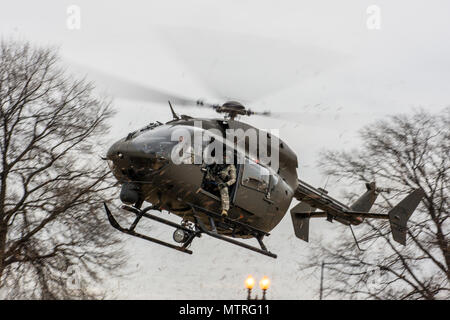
400 214
300 220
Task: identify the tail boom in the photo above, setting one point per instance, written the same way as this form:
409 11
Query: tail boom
312 198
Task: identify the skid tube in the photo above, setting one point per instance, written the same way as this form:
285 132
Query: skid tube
200 228
142 213
233 224
213 233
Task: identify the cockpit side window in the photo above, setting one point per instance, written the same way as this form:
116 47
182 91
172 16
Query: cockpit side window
255 176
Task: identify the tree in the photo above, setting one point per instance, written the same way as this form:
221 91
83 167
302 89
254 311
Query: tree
403 153
54 238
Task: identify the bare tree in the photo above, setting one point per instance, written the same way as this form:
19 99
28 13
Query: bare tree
403 153
53 236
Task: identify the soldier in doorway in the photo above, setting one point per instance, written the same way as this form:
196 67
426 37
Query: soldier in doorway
224 176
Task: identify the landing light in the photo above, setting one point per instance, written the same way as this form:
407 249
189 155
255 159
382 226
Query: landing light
179 236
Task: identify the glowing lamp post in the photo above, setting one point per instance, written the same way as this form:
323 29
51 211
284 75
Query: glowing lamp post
264 284
249 283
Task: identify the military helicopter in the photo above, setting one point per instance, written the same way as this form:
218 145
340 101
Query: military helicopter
261 196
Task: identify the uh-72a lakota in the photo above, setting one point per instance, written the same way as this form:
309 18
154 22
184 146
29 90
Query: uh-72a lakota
143 164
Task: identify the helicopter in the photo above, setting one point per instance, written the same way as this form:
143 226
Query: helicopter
143 164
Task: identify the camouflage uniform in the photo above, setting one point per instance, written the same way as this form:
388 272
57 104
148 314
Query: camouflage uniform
225 176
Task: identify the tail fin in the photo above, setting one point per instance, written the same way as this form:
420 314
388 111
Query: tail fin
400 214
366 201
300 220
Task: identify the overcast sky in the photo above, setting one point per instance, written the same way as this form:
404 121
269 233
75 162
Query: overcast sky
325 64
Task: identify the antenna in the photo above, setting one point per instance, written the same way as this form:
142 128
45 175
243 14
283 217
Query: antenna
356 240
175 116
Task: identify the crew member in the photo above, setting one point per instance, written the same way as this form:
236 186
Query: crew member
224 175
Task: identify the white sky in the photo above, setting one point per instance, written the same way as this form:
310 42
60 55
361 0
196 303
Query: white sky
317 58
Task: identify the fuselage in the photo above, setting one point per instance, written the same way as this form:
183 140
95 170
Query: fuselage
259 198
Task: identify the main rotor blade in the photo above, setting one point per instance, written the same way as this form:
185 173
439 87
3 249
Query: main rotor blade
322 119
121 88
235 64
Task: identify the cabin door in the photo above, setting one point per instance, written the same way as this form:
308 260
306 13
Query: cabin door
252 187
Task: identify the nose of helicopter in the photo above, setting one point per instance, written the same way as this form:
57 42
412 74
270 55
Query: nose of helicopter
117 156
117 150
129 159
124 150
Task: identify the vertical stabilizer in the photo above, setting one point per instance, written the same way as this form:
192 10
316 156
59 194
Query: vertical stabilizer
366 201
300 220
400 214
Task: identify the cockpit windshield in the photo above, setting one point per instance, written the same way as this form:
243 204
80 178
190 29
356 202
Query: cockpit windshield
148 127
156 134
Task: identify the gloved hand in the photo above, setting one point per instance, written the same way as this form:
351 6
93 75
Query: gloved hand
222 185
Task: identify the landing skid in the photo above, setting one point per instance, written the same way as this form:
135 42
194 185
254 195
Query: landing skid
233 225
198 229
139 215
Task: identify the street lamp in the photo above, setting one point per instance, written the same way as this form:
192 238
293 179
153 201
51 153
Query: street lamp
249 283
321 279
264 284
324 265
